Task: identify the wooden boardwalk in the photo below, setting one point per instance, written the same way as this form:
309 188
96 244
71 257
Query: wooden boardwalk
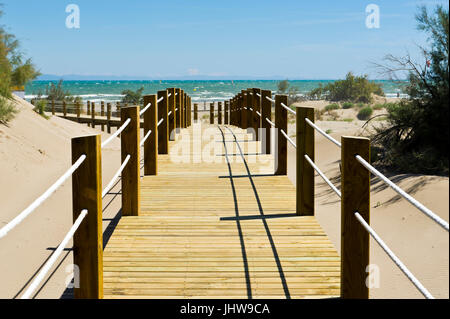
209 230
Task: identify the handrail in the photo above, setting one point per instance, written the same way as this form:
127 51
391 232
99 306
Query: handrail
160 121
288 138
145 137
145 109
322 132
19 218
48 265
288 108
405 195
316 168
119 171
116 133
393 257
160 99
270 122
270 99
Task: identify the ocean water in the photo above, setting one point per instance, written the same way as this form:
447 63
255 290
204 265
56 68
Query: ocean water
200 91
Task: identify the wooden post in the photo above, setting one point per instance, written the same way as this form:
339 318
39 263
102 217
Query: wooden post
77 106
244 111
172 117
108 118
250 112
355 188
280 141
102 113
118 109
240 111
195 112
163 128
266 113
226 110
88 239
131 176
257 108
211 113
64 109
93 114
53 107
178 110
182 109
304 172
219 113
88 108
185 110
151 144
190 112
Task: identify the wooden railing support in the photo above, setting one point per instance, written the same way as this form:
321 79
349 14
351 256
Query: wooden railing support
226 112
102 113
189 112
88 239
178 110
78 110
172 117
195 112
355 188
108 118
266 113
151 144
163 128
131 173
256 118
249 105
88 108
280 140
304 171
93 114
219 113
244 111
53 107
211 113
64 109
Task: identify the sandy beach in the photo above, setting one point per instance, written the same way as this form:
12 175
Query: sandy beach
35 152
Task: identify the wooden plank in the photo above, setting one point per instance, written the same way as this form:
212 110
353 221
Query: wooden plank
167 252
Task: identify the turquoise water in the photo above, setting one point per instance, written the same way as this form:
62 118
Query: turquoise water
199 90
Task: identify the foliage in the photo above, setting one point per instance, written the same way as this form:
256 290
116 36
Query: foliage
364 113
14 71
57 93
7 110
416 138
347 105
333 106
133 97
352 88
40 107
293 93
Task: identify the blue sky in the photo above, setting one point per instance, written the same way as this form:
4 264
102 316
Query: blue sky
288 38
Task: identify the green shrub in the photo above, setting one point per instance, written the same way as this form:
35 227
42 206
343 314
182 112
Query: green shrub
7 110
331 107
378 106
40 107
133 97
347 105
364 113
352 88
416 137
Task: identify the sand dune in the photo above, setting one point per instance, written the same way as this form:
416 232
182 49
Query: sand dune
34 152
420 243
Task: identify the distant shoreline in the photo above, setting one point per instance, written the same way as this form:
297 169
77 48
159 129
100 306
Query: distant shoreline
200 90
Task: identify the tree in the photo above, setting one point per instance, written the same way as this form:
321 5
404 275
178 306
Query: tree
14 71
417 135
133 97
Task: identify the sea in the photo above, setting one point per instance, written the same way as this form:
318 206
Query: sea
200 91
